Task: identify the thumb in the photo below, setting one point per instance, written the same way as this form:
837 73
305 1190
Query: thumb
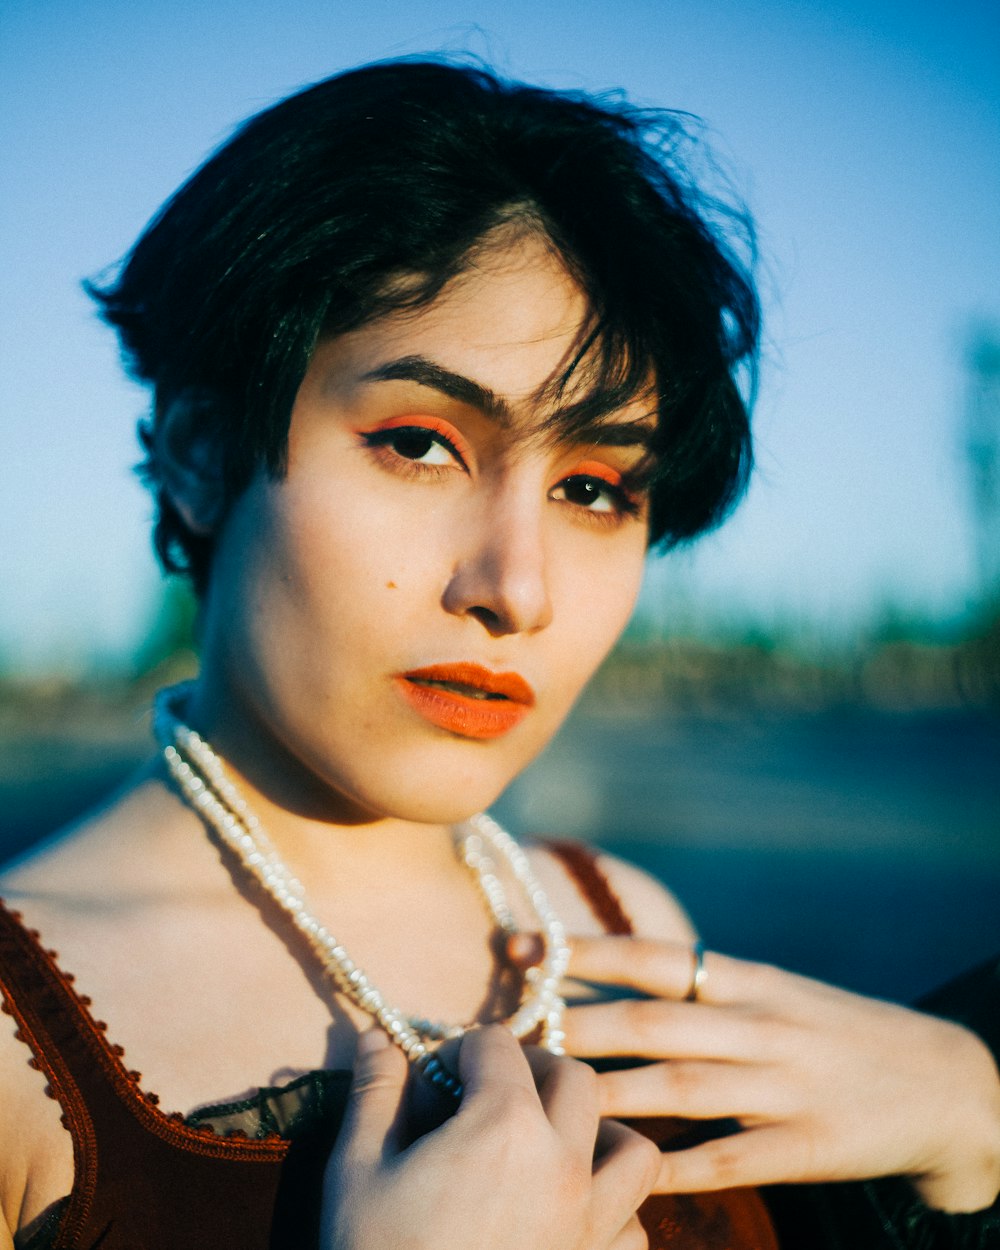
374 1106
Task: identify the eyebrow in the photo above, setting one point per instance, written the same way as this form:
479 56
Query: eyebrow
425 372
455 385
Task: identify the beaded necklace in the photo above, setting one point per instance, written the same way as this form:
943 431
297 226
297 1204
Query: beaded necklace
203 782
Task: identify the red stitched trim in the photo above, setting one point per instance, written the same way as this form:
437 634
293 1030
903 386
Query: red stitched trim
75 1118
592 882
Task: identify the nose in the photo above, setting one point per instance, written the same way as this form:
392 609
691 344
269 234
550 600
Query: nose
501 577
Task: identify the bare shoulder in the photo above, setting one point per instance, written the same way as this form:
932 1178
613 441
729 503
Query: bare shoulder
115 853
653 910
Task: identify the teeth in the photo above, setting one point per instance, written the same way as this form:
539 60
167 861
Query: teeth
470 692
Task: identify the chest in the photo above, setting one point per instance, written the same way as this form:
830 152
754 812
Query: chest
208 1002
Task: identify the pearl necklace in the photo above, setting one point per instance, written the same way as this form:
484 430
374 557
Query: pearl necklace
203 782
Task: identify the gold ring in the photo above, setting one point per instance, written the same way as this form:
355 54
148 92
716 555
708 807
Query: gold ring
699 973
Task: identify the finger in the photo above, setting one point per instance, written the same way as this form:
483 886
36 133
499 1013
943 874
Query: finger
662 969
492 1063
568 1093
660 1029
767 1155
540 1061
626 1167
693 1090
374 1104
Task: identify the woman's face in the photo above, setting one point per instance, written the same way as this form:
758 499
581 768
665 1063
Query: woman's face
410 612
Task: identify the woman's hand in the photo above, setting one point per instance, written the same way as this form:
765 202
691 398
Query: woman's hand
827 1085
523 1164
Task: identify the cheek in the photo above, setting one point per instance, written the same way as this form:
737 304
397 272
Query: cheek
340 560
597 602
325 539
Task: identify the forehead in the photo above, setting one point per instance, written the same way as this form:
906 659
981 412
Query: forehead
511 320
512 334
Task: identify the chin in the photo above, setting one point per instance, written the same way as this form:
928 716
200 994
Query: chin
445 804
434 788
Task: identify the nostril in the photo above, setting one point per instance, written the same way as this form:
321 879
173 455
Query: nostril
490 619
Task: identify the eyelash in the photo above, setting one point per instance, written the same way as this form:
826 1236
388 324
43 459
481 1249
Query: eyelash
382 440
625 502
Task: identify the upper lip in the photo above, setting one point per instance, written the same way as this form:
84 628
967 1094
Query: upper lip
505 685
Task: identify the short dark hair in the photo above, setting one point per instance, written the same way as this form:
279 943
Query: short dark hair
299 226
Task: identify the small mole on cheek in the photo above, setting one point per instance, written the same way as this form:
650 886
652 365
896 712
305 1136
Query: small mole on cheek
390 585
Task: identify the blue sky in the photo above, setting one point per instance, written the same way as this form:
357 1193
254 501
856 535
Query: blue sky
866 138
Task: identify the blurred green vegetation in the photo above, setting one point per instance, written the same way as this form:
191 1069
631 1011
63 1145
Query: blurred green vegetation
902 659
170 645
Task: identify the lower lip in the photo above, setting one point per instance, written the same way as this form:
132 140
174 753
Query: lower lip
460 714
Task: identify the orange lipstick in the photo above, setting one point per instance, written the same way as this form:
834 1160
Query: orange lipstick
466 699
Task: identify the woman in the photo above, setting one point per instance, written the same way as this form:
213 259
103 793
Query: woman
435 359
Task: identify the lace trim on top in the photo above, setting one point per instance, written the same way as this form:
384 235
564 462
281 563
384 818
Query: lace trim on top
287 1110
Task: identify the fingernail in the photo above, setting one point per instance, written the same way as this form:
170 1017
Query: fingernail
371 1042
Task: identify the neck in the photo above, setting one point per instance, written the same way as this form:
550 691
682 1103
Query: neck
314 825
263 763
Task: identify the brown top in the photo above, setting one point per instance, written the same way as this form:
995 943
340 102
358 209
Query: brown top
145 1180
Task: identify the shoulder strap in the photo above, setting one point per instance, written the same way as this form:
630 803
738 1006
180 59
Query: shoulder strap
581 863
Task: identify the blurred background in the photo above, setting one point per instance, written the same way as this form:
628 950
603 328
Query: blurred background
800 732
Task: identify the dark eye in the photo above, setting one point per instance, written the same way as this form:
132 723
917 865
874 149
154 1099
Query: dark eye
593 493
415 443
418 444
585 491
